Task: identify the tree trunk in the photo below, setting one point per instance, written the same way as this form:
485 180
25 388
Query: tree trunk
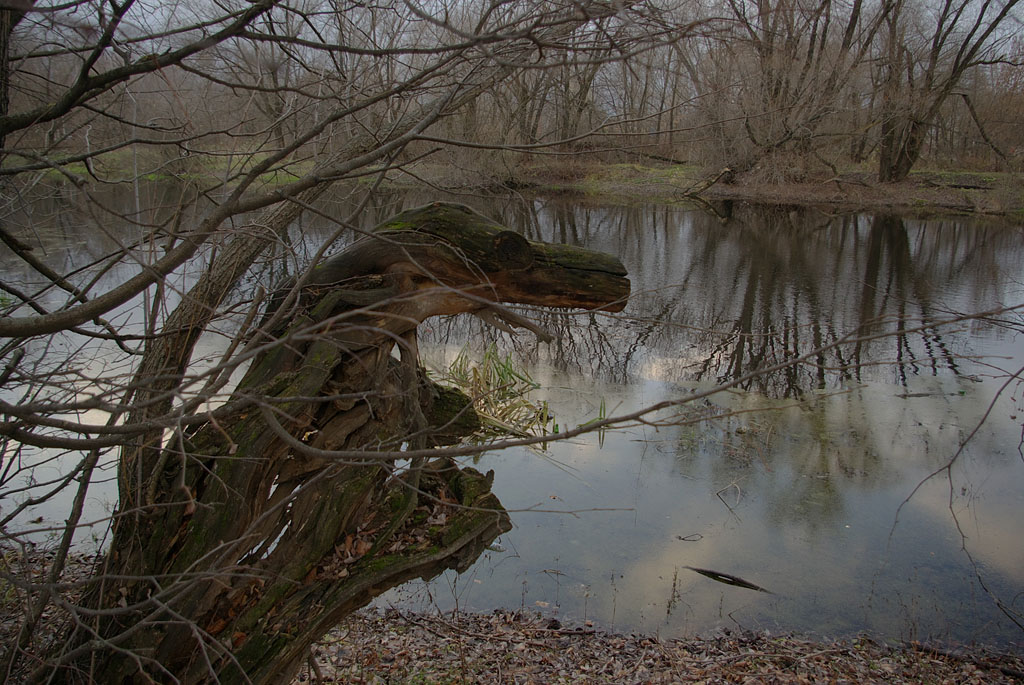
269 524
10 14
900 149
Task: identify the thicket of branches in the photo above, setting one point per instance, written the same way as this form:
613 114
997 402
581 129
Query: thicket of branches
791 88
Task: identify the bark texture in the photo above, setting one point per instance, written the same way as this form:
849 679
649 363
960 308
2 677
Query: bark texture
262 530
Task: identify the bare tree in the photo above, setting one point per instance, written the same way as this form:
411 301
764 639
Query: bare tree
927 52
265 490
796 61
243 532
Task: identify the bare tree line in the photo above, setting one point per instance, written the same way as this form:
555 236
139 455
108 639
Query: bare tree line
787 88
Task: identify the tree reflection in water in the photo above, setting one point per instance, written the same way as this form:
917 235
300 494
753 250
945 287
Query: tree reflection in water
715 299
881 401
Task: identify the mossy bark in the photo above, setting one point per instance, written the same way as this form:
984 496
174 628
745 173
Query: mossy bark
251 539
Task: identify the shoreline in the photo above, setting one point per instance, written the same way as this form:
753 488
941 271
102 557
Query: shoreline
393 646
511 646
998 195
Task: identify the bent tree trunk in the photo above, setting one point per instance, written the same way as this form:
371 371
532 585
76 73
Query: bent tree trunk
264 527
899 149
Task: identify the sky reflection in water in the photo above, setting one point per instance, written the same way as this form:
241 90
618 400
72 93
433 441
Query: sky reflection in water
800 494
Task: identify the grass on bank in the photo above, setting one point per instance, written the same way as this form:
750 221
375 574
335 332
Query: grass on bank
924 191
500 391
928 189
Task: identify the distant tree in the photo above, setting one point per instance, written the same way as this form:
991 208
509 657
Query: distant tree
927 51
796 62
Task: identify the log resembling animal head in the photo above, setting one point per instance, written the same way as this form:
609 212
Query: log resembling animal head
290 510
445 258
456 246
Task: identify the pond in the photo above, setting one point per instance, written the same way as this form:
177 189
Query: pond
877 485
825 483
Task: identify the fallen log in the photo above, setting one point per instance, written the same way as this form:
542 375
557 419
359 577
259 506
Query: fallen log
263 530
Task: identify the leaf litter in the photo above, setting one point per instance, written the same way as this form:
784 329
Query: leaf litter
394 646
516 647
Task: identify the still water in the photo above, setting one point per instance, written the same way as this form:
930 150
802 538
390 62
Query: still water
878 485
824 483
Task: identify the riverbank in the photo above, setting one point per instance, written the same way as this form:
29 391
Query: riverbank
393 646
923 193
511 647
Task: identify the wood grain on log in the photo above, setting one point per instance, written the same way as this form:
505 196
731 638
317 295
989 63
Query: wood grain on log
252 548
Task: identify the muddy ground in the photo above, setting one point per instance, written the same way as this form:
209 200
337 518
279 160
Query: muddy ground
921 194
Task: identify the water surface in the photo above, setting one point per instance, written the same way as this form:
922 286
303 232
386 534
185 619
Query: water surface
812 481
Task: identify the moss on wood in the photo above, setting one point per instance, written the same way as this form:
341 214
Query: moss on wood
265 543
